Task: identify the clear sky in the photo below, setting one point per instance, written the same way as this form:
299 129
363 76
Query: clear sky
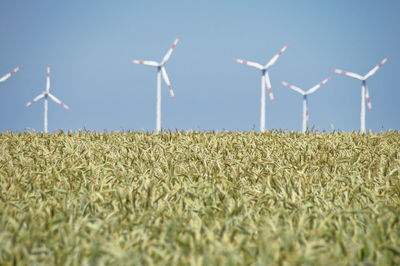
88 45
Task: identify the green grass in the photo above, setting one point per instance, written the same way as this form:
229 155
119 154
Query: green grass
200 198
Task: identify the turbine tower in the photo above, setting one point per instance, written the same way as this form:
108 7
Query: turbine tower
264 81
305 103
12 72
45 95
364 89
160 72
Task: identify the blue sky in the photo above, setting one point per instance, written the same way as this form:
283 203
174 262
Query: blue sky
88 45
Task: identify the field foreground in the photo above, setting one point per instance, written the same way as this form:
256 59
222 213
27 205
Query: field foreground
200 198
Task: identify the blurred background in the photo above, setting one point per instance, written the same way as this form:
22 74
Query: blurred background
88 45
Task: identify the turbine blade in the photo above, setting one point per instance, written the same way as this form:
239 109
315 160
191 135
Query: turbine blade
168 54
40 96
48 79
273 59
293 87
249 63
368 99
349 74
307 116
58 101
145 62
166 79
268 83
372 71
12 72
316 87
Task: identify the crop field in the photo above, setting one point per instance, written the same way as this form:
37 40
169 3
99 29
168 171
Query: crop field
200 198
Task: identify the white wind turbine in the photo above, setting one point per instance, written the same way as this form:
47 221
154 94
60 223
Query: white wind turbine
364 89
160 71
264 81
12 72
305 103
45 95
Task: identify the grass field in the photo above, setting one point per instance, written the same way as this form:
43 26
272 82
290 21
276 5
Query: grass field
200 198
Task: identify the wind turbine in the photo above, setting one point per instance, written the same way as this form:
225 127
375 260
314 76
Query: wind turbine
45 95
364 89
12 72
160 71
264 81
305 94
